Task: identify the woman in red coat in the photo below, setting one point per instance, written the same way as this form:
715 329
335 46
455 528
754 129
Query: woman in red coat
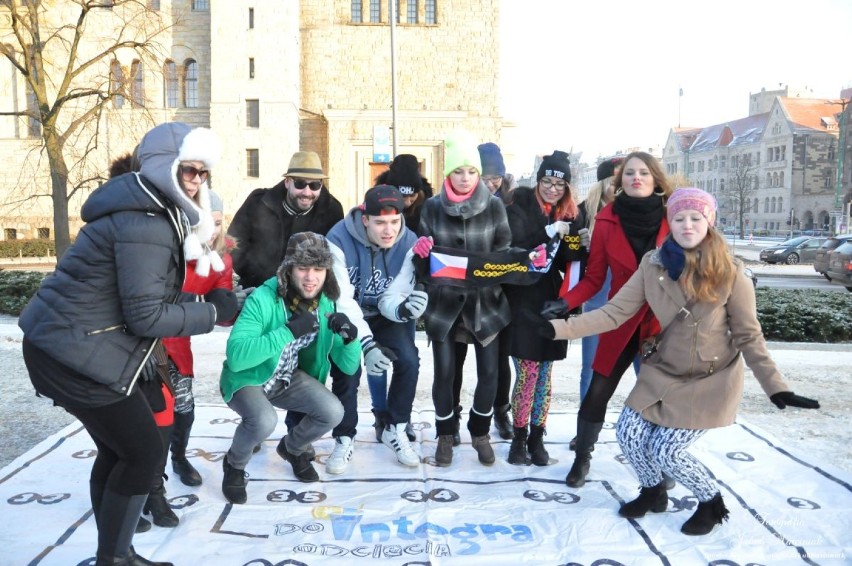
633 224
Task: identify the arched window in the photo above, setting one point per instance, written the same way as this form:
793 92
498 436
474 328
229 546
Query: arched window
137 88
769 179
190 83
756 205
780 204
766 204
116 84
170 84
721 185
781 179
772 205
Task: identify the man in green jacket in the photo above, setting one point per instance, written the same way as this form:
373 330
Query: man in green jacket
279 354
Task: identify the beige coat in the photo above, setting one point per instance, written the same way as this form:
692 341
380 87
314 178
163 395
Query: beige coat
695 381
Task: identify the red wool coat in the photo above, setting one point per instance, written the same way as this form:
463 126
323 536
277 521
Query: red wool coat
611 250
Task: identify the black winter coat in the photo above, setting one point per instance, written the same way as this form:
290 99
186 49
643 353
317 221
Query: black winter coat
262 228
111 294
527 222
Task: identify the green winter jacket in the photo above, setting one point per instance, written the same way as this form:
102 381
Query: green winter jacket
260 333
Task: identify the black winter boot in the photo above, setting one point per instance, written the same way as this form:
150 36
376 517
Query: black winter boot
158 507
456 420
706 516
654 499
535 446
179 441
518 449
587 435
503 421
117 520
233 483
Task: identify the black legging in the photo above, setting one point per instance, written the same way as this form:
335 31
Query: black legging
504 371
593 407
444 356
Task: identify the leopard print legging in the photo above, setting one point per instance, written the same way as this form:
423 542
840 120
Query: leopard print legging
532 392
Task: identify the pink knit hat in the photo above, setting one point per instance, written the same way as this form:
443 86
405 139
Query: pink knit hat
691 199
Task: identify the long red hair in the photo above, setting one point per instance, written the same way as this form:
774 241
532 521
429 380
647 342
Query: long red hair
564 209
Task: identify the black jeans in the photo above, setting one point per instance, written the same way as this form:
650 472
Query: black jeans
593 407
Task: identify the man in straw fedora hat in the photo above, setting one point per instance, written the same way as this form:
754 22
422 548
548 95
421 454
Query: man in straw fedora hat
264 223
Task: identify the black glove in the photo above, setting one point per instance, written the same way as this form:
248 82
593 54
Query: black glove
340 324
788 398
555 309
540 324
302 322
225 302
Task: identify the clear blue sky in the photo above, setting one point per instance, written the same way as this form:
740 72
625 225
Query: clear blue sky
603 76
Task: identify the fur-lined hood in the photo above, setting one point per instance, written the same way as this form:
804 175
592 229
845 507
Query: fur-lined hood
308 249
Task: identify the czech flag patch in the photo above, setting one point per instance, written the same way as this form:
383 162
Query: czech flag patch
448 266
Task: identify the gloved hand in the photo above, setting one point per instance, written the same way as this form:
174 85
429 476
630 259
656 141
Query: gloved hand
242 294
340 324
788 398
377 359
538 256
559 227
423 246
541 325
414 305
555 309
302 322
225 302
585 238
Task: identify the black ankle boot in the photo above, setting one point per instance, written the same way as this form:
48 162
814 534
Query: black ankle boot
535 446
587 435
233 483
143 526
654 499
706 516
518 449
456 420
161 513
503 422
179 440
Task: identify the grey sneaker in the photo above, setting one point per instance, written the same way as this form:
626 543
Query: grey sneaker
483 448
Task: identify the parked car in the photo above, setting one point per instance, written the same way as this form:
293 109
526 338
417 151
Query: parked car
792 251
824 251
840 266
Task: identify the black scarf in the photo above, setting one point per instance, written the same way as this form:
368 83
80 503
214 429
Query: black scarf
640 220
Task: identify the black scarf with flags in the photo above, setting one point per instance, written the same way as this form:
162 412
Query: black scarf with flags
462 268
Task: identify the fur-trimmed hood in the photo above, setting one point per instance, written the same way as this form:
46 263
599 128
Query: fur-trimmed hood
308 249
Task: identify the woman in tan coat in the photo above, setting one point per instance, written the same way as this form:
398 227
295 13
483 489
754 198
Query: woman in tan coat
692 380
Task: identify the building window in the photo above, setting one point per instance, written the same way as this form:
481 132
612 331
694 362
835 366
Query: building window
756 205
154 4
251 18
200 5
431 12
252 163
411 8
116 87
11 234
375 11
396 7
137 87
780 204
170 84
252 113
44 233
772 205
831 156
251 67
190 83
356 13
766 204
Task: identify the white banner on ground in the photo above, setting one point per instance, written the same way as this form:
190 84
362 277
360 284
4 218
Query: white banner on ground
784 509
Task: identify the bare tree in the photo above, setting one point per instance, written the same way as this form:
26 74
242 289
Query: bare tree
742 184
65 59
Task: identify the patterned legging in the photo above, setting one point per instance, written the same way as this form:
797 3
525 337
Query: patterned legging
653 449
531 394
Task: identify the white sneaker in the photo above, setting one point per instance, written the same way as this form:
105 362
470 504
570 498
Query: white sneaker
394 437
340 456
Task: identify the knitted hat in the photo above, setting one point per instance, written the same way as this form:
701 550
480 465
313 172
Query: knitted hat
690 198
460 151
305 165
404 174
606 169
381 197
492 160
308 249
555 165
216 203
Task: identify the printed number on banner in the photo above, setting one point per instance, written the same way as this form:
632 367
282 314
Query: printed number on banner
286 496
29 497
560 496
437 495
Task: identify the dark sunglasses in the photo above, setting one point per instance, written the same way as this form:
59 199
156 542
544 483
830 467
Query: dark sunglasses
188 172
301 184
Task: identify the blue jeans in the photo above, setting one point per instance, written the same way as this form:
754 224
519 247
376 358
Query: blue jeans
394 404
320 408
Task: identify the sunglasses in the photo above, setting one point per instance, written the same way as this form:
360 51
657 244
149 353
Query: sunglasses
188 172
301 184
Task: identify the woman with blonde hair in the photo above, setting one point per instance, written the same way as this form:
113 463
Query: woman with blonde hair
692 378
